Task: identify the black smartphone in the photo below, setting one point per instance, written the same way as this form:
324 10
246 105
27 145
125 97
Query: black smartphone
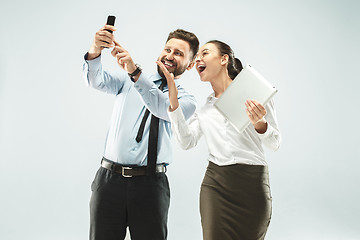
110 21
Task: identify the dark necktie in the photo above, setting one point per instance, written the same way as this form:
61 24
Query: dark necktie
153 137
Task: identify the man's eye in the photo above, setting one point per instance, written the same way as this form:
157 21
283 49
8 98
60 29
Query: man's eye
177 53
167 50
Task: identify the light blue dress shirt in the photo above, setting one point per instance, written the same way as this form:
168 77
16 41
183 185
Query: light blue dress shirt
132 99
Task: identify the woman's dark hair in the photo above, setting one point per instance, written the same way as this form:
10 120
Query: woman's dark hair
234 65
187 37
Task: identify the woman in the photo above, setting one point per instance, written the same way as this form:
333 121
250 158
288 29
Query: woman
235 198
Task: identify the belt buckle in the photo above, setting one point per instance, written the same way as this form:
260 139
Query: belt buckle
123 171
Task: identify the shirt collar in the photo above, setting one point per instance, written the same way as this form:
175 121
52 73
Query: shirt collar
156 79
212 96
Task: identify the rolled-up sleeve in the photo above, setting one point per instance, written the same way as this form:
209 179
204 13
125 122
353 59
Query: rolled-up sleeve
271 138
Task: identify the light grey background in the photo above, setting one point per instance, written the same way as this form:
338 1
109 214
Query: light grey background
52 127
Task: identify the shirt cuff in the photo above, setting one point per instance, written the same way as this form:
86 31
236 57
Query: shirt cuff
94 64
176 115
143 85
91 67
267 133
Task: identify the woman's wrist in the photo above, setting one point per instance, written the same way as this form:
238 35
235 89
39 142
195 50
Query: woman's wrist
173 107
261 125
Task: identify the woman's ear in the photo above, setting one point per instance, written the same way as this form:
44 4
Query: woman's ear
224 59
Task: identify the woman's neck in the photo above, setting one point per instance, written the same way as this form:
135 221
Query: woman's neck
220 83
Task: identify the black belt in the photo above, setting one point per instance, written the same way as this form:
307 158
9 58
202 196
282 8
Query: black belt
129 171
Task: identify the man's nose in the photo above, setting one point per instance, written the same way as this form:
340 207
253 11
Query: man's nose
170 56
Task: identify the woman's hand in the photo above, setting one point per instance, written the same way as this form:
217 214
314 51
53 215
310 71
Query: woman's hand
173 92
256 112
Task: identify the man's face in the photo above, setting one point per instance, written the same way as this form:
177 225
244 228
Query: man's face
176 57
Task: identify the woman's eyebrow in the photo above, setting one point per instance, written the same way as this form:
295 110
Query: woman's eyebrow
201 51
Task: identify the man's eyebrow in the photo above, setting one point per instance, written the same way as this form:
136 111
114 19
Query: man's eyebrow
175 49
178 50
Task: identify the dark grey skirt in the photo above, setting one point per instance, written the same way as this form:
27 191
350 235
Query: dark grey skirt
235 202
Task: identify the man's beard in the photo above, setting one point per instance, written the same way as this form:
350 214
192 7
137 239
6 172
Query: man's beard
177 71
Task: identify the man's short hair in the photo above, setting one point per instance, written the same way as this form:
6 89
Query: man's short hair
187 37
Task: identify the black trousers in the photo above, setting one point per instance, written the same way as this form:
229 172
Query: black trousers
140 203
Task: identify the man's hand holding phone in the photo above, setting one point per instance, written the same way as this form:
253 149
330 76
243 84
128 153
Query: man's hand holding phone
103 39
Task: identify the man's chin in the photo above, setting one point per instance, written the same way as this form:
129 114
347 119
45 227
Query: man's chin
177 75
161 73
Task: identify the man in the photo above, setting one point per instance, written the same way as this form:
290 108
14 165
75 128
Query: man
131 188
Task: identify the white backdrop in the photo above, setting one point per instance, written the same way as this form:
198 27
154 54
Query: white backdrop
53 127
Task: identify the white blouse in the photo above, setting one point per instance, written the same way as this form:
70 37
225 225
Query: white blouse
226 145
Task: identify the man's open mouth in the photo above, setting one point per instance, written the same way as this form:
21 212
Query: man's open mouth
169 64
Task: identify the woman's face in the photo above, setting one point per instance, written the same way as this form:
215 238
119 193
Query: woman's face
208 62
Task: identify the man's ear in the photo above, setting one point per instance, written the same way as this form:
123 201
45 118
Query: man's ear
224 59
191 65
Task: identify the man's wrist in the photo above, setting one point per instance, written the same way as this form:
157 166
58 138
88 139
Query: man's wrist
94 52
134 72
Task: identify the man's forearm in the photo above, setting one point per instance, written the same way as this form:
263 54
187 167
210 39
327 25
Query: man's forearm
93 53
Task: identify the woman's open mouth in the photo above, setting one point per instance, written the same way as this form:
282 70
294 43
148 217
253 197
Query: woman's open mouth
201 68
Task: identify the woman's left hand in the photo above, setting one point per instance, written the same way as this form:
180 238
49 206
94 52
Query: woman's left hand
173 92
256 112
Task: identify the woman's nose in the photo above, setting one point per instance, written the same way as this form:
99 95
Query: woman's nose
197 58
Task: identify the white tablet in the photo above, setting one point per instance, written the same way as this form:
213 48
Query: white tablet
248 84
